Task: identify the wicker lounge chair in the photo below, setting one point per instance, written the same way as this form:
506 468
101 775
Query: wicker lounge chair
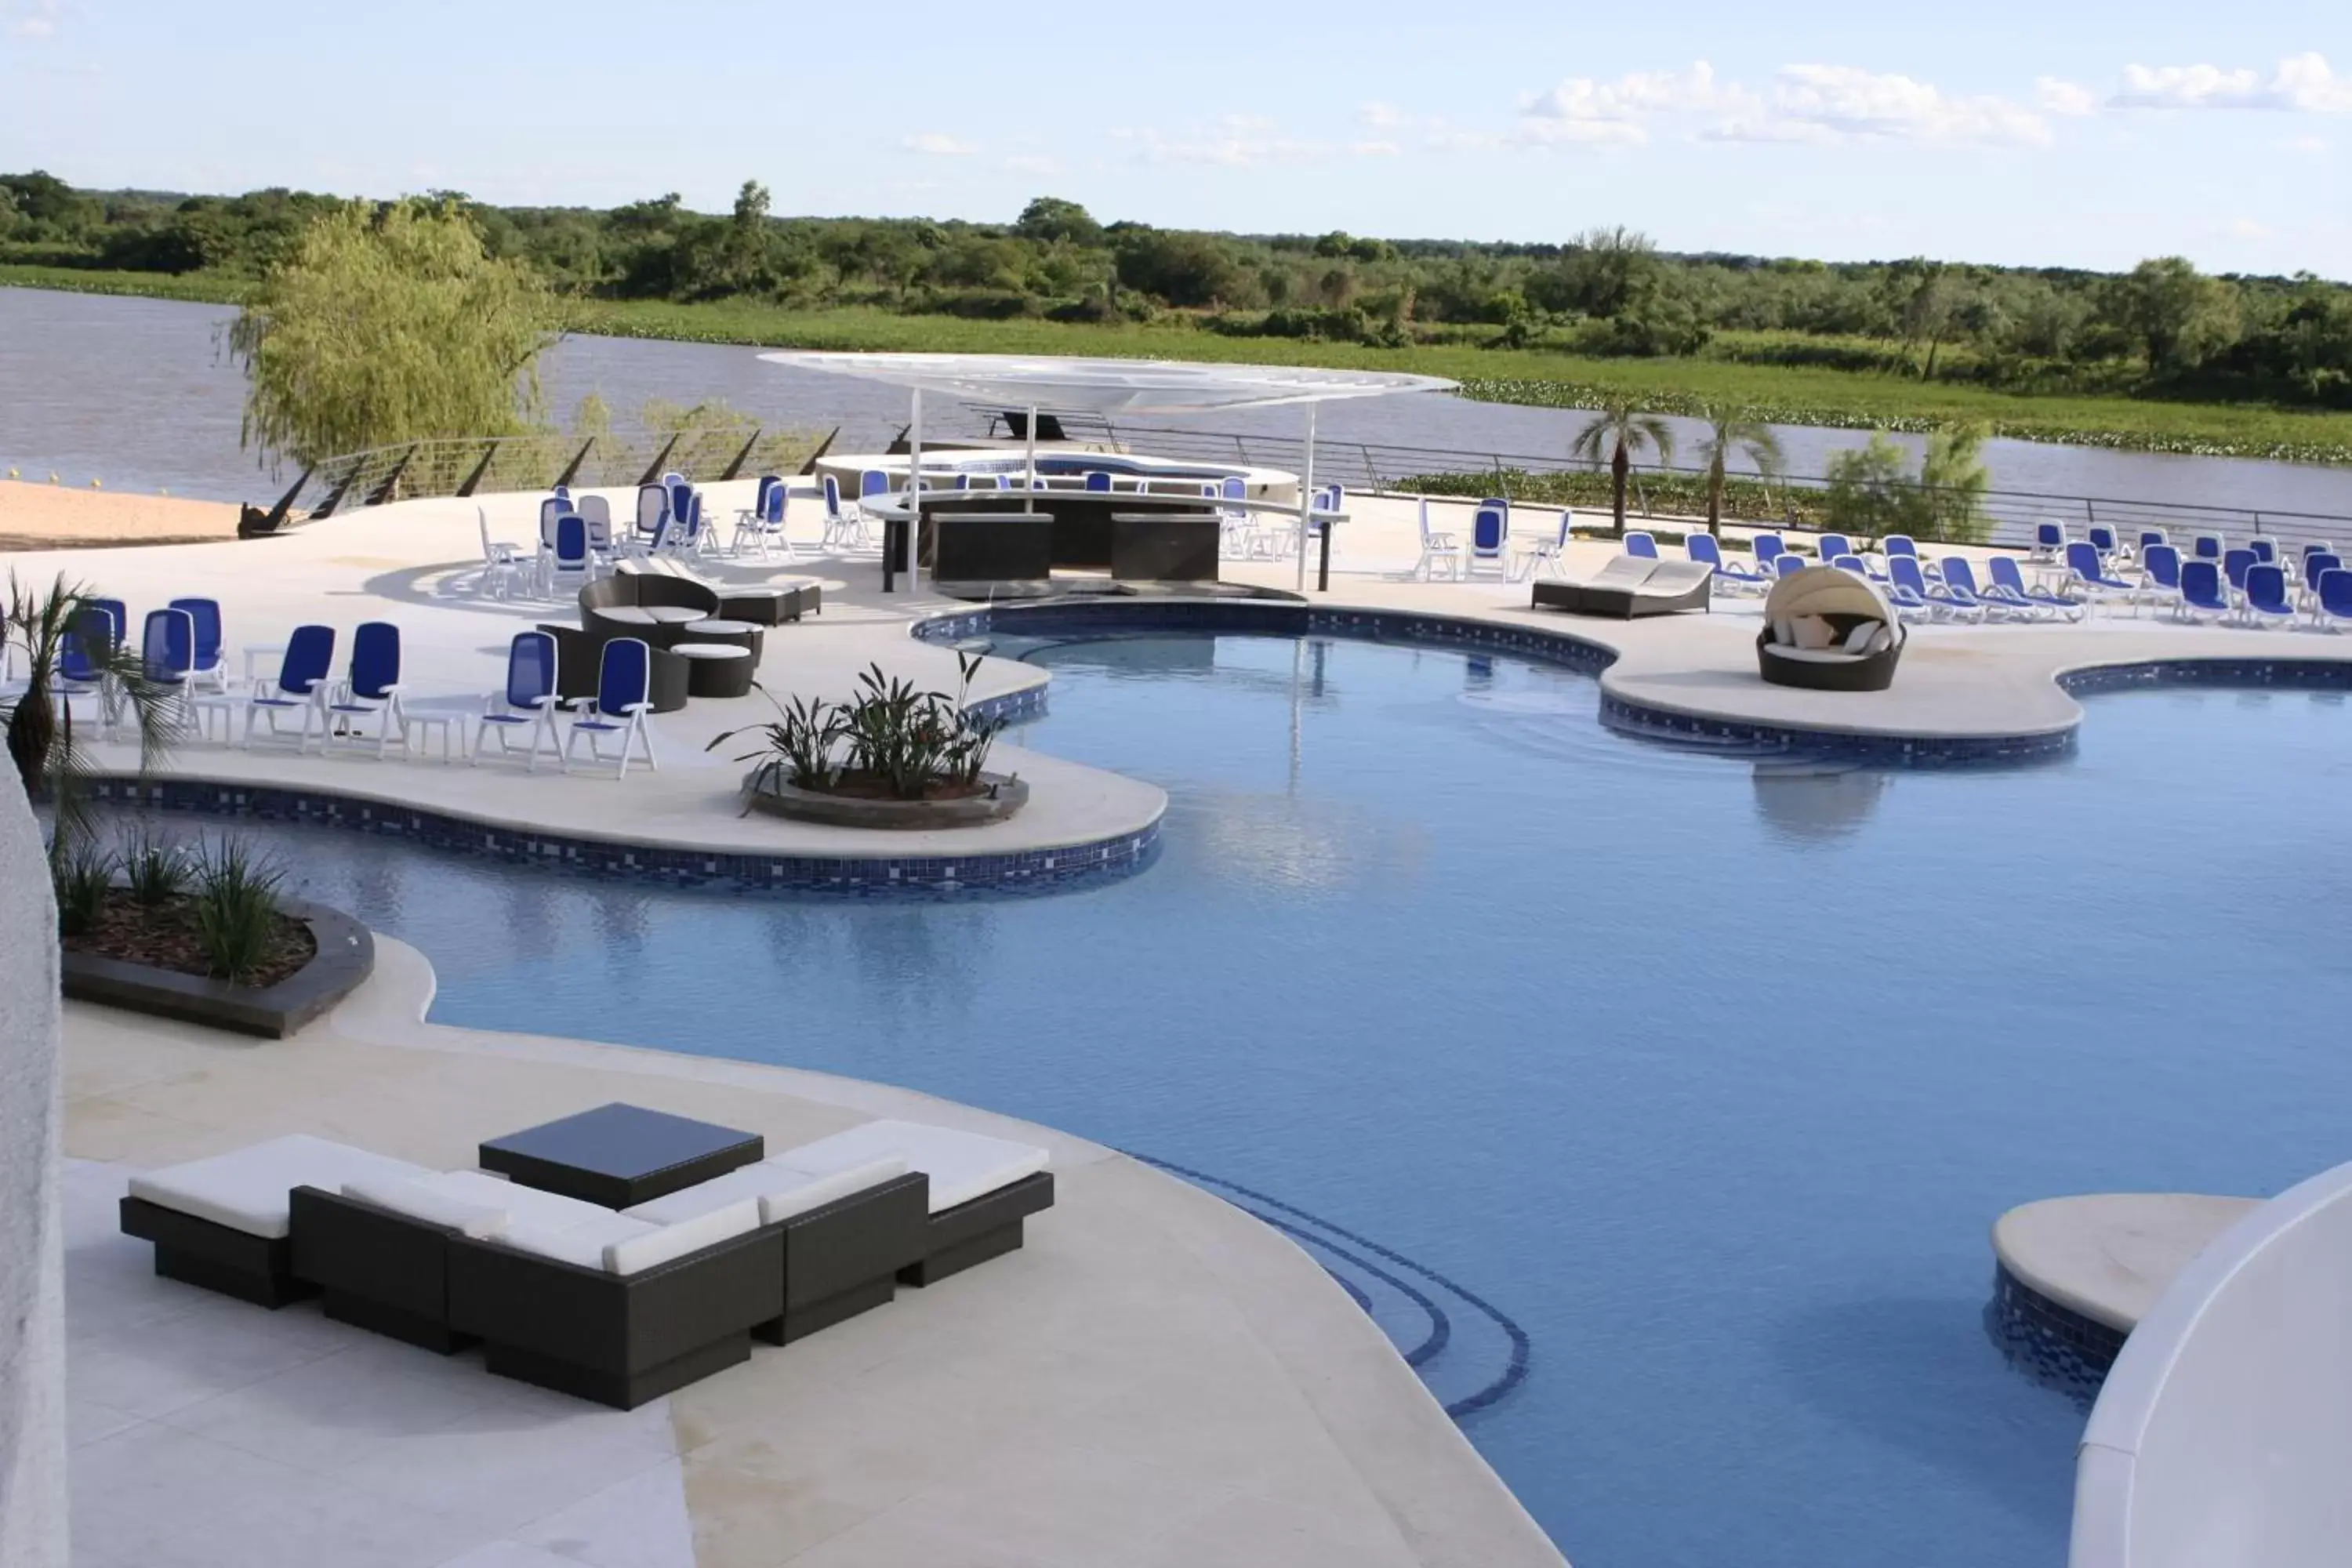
224 1223
981 1188
1830 631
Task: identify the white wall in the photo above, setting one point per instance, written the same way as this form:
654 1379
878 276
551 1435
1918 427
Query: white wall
2222 1437
32 1292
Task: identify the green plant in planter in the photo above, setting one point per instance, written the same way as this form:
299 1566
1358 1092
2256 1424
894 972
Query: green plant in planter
155 867
236 907
48 751
799 750
80 877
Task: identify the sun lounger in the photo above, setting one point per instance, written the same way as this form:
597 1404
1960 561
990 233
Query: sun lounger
1829 630
1632 586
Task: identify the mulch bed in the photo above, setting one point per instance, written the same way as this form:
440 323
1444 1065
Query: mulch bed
857 784
165 936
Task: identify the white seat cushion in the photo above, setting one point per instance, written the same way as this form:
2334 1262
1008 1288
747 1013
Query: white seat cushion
719 627
628 615
962 1166
1864 633
247 1188
660 1245
419 1199
1815 655
673 615
711 650
781 1191
524 1205
581 1245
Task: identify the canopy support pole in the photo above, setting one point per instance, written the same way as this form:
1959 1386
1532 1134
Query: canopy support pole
914 481
1029 472
1306 500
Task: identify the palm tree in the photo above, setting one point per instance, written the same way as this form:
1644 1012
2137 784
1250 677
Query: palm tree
1727 433
1620 432
42 742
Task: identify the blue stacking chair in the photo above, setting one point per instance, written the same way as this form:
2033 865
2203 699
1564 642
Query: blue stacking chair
528 701
1788 564
1906 585
1958 588
300 687
2102 538
653 509
2085 565
2266 599
623 697
1895 544
2204 593
212 656
2315 563
1830 546
2332 599
1490 538
841 524
2049 539
2008 587
1642 545
1768 548
2234 566
2159 576
572 563
167 660
2209 546
1098 481
2266 550
1707 549
762 522
370 690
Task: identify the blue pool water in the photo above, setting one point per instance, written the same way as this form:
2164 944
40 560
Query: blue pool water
1709 1073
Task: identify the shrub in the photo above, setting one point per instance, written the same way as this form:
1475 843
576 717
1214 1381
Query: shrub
236 907
156 868
80 877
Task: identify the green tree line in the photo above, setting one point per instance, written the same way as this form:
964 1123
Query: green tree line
2161 330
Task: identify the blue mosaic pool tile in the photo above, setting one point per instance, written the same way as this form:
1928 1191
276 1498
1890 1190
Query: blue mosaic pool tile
2052 1344
1035 870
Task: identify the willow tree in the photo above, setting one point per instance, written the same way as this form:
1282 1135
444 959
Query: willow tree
1620 431
1727 433
390 323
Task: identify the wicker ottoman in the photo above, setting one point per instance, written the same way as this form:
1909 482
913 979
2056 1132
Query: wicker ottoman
747 634
715 669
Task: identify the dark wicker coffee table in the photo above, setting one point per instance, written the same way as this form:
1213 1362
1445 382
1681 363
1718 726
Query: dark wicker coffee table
617 1156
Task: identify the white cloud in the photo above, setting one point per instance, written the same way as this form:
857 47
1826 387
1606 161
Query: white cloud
937 144
2304 82
1376 149
1836 103
2070 99
2247 228
30 18
1380 116
1805 103
1033 163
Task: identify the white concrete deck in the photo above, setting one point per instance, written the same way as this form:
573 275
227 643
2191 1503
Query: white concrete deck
1154 1379
2108 1256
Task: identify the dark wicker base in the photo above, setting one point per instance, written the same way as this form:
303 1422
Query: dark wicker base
430 1333
194 1251
988 1226
1872 672
844 1259
623 1391
382 1271
801 1322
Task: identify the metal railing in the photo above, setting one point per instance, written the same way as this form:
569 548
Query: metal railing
538 460
2002 517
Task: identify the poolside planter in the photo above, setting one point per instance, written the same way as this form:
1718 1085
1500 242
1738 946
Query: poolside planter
345 957
1864 638
1006 794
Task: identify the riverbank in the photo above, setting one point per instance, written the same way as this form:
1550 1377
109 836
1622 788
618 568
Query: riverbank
51 517
1776 394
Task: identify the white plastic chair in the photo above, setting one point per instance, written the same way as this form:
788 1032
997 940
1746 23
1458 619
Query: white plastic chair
1437 549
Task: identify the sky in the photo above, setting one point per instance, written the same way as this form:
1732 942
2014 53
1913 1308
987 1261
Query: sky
2065 133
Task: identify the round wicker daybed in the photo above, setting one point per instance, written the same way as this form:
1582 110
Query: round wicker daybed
1829 630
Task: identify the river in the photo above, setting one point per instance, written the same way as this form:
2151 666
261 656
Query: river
142 394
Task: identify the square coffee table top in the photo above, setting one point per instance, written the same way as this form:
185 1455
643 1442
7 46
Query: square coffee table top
620 1155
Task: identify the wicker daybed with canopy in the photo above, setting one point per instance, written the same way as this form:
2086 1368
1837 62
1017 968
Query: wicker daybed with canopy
1829 630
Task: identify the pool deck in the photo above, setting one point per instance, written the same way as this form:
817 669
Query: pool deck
2108 1256
1156 1378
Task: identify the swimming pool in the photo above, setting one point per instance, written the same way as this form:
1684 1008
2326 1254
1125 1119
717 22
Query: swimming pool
1711 1073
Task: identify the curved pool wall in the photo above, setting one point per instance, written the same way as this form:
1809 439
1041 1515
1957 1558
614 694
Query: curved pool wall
1431 957
2223 1435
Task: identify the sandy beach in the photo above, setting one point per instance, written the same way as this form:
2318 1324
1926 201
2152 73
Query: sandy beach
51 517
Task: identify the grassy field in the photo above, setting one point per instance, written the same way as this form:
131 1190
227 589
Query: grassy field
1791 395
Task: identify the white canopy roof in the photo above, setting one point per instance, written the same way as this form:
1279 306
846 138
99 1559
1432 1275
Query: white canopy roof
1111 385
1826 591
